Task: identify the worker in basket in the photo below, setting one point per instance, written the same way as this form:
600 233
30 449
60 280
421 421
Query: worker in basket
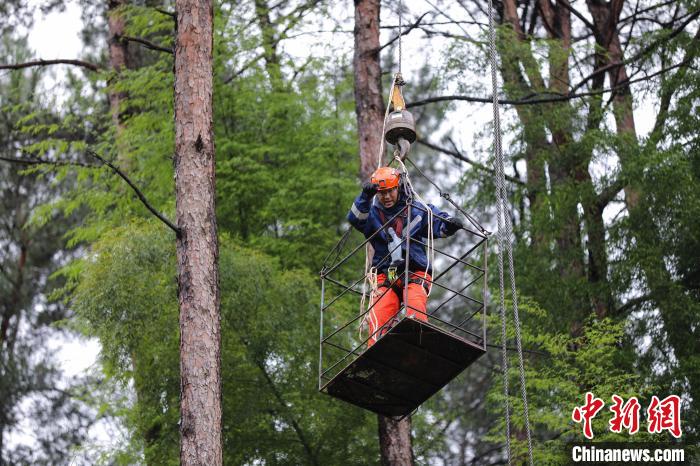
369 215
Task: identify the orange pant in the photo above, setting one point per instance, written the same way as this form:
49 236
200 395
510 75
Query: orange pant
387 304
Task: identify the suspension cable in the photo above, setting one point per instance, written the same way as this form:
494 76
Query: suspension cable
400 33
395 79
505 234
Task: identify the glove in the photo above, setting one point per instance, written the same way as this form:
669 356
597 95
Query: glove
369 189
453 224
394 247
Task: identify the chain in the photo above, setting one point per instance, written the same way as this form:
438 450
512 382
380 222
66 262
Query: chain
505 234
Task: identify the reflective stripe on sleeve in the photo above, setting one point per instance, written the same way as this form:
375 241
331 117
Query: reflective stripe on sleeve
356 212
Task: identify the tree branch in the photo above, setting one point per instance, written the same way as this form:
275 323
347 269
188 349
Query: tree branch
138 192
35 161
463 158
579 15
404 32
639 54
245 66
172 14
525 350
668 92
148 44
40 62
632 303
609 193
280 399
534 99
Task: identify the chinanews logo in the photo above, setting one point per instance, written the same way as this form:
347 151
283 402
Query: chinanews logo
662 415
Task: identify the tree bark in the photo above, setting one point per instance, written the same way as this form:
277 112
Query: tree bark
605 18
394 437
197 243
369 105
396 446
118 53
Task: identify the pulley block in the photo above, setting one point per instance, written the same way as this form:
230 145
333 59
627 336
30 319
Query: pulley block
399 123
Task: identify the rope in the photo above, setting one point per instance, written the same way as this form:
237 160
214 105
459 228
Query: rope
386 114
371 272
475 223
370 284
430 257
505 233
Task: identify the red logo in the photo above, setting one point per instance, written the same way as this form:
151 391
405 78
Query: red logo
665 415
661 415
625 415
587 412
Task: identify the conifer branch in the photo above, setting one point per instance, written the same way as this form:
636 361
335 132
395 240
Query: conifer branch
609 193
172 14
513 349
463 158
136 190
148 44
408 29
41 62
554 97
282 402
245 66
59 163
122 175
632 303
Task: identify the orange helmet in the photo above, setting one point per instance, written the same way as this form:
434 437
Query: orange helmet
386 178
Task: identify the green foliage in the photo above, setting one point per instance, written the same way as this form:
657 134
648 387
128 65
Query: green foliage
285 166
125 295
33 387
285 176
558 373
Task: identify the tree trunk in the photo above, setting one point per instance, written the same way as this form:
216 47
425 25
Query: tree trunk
605 17
197 244
269 44
394 437
673 303
369 105
118 53
395 441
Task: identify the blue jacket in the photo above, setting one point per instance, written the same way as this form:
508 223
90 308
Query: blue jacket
368 216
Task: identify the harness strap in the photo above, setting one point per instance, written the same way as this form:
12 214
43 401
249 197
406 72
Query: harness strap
398 223
398 289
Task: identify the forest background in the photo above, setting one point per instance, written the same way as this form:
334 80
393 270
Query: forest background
605 210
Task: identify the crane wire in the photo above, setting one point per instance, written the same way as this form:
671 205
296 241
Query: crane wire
504 241
400 33
395 79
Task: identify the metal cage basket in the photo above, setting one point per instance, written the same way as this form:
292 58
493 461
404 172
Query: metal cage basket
411 358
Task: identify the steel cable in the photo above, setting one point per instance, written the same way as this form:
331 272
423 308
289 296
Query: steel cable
504 242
